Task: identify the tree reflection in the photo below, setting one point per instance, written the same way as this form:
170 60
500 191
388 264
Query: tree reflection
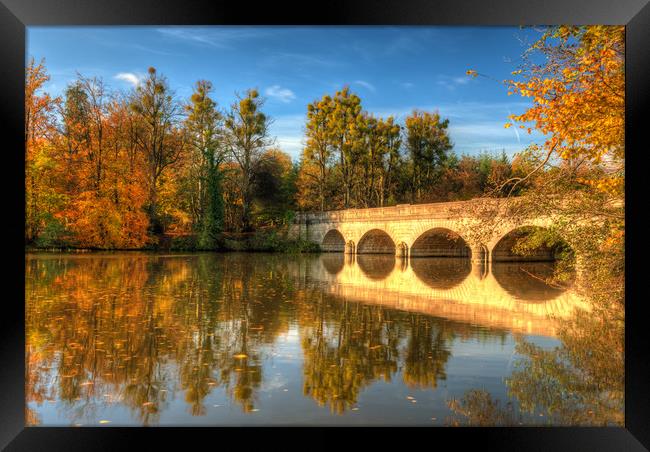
114 330
346 346
427 352
580 382
142 330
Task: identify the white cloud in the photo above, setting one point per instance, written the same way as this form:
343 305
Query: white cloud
292 145
129 77
452 82
366 85
289 133
221 37
515 127
282 94
296 60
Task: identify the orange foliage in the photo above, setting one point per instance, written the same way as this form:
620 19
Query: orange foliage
579 97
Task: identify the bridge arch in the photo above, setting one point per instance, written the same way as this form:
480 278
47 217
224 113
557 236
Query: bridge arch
333 242
376 241
504 250
440 242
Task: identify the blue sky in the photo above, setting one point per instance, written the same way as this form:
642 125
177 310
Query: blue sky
392 69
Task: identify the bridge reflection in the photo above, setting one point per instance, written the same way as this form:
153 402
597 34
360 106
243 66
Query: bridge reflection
502 295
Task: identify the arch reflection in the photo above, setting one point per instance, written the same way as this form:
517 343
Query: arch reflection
376 267
441 273
526 280
333 262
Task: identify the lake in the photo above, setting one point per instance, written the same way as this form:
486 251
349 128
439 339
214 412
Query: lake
134 338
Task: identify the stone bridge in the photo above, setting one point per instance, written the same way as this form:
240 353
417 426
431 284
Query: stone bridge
422 230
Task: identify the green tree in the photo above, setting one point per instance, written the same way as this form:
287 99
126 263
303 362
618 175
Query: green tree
428 144
247 136
318 151
381 144
345 125
204 127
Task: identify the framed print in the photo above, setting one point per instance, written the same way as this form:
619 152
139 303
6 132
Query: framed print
377 214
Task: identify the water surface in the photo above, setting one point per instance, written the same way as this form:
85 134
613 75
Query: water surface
247 339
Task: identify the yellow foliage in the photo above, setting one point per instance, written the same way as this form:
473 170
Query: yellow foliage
579 96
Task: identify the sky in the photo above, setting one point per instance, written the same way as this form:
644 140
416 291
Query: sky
393 69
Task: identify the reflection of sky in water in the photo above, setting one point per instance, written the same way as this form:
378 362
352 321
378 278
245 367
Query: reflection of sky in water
480 356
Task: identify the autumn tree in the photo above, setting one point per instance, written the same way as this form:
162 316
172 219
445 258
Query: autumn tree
381 142
125 171
91 121
428 143
39 121
158 135
96 169
246 137
204 127
344 125
317 152
578 96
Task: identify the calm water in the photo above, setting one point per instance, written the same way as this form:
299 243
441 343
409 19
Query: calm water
243 339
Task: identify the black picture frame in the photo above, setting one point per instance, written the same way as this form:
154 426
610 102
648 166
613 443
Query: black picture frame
15 15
